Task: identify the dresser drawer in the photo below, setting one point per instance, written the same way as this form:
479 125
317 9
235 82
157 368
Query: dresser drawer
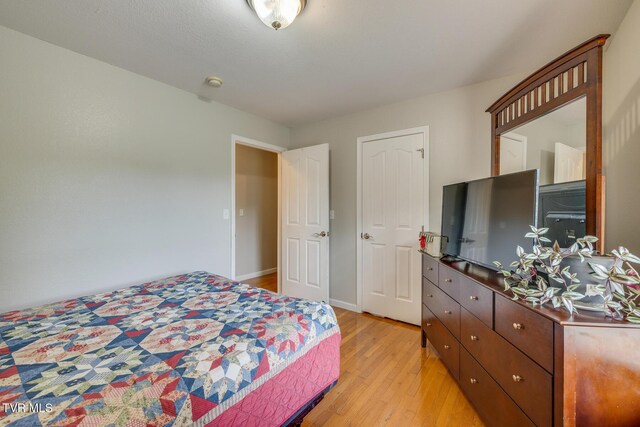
442 305
477 299
428 318
449 281
527 330
525 381
444 343
430 268
494 406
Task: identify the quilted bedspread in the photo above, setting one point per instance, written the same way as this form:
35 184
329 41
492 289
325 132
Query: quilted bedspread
180 351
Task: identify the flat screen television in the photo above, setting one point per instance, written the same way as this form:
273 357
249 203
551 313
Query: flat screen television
454 199
483 221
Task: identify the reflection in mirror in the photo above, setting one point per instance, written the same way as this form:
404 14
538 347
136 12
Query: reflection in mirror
555 144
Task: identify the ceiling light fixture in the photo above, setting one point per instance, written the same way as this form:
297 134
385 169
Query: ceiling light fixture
277 14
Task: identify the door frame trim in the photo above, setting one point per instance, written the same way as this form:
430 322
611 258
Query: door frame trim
240 140
360 141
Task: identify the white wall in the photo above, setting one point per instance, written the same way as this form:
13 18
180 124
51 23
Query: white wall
107 178
622 133
257 196
460 150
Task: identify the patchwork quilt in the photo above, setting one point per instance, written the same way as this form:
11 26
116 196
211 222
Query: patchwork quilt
179 351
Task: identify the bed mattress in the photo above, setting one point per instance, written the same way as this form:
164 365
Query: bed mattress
196 349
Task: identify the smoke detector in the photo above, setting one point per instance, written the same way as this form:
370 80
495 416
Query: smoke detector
214 81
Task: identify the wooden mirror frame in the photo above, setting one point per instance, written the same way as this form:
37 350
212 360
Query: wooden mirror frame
574 75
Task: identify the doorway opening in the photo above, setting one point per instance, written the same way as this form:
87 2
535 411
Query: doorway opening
255 213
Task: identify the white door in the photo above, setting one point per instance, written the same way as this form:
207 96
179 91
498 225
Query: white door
392 217
513 153
305 223
569 164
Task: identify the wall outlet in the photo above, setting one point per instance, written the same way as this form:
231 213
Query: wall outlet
332 214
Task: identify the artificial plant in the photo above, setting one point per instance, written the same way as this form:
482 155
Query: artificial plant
539 277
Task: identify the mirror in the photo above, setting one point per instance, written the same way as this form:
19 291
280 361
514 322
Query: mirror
556 145
552 121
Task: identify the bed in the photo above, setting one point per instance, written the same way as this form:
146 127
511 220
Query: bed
195 349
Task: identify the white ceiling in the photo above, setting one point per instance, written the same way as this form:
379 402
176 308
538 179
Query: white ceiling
340 56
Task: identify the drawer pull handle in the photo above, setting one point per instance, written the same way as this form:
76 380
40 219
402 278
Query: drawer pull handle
448 280
474 381
518 326
448 312
430 296
518 378
447 347
430 268
474 338
428 325
473 298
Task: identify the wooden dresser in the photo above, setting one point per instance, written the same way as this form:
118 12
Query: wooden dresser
525 366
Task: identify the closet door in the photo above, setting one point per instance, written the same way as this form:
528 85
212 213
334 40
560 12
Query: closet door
392 217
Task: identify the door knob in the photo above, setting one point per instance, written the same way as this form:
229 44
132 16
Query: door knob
321 234
366 236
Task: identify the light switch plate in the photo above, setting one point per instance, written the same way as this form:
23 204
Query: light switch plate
241 212
332 214
225 214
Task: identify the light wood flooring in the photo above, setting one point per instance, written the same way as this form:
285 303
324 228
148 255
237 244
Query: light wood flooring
269 282
386 378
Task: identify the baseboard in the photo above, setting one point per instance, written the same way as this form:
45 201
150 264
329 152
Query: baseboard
344 305
256 274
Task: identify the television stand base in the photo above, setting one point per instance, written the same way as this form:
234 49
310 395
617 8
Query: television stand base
451 258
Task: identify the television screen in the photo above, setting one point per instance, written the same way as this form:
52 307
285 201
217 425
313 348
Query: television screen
454 198
486 219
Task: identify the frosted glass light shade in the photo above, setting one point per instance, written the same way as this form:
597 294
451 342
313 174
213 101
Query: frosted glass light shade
277 14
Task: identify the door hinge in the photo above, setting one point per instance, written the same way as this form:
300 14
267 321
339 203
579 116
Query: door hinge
421 150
